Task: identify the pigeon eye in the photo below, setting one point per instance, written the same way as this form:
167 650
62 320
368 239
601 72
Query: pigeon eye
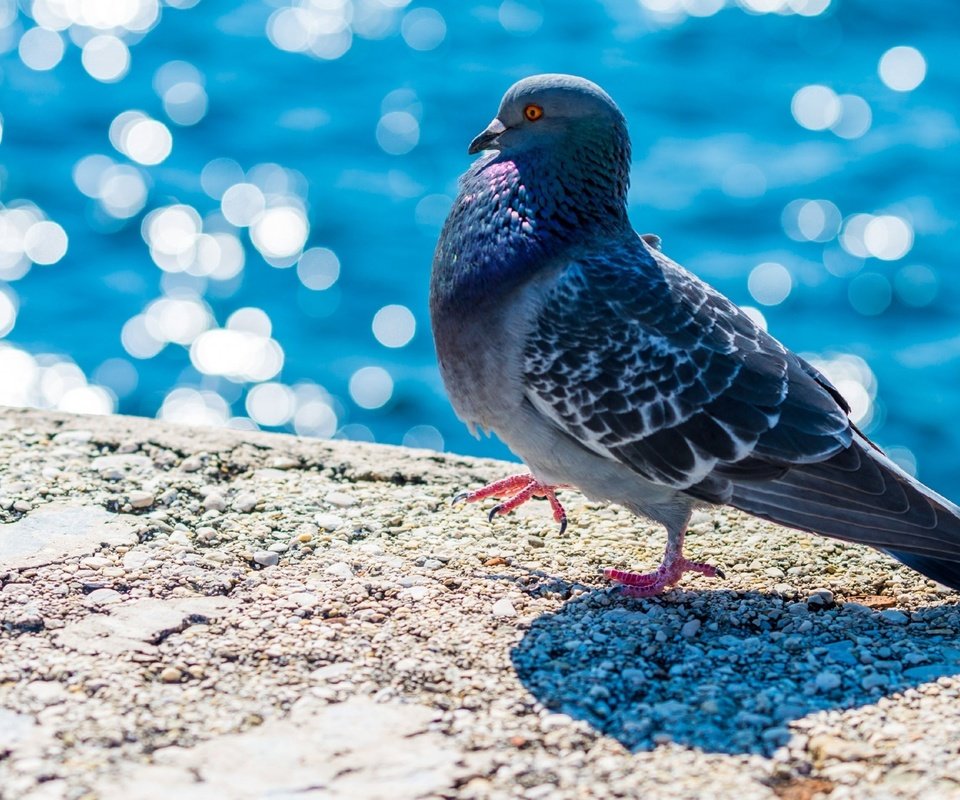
533 112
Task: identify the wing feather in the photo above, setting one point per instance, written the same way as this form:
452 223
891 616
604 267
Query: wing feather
645 364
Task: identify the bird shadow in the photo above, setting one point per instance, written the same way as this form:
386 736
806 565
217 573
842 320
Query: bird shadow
722 671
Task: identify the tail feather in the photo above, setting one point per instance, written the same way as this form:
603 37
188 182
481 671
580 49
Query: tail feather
938 569
859 495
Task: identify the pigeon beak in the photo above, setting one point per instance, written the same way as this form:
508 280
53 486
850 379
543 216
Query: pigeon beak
488 139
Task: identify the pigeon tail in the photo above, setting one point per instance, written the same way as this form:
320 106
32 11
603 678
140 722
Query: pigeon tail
940 570
859 495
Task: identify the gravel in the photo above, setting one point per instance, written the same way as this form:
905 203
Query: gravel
287 616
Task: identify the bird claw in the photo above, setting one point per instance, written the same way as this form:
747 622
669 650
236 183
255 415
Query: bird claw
667 574
517 489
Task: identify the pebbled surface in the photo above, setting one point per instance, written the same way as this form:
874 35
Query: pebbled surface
315 619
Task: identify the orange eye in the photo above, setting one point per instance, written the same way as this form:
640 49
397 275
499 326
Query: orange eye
533 112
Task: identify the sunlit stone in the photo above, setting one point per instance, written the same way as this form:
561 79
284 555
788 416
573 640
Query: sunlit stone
770 283
105 58
902 68
394 325
371 387
45 242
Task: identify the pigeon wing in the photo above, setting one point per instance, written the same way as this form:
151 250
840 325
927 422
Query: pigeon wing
645 364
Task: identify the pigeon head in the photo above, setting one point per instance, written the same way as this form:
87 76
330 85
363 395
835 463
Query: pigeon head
555 178
546 112
567 128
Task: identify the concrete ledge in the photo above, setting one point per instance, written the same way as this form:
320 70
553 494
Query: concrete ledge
199 613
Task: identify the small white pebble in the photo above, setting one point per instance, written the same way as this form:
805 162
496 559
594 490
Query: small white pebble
504 608
329 522
171 675
100 597
340 499
266 558
690 628
180 538
827 681
192 464
140 499
73 437
894 617
214 502
246 502
341 569
825 595
415 593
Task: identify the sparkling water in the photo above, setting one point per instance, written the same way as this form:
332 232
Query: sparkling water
224 213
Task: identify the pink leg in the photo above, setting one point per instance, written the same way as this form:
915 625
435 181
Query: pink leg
517 489
668 573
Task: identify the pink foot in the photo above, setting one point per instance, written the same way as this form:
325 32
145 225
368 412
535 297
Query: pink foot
516 490
668 573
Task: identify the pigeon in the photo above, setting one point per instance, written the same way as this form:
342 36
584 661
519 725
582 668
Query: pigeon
608 368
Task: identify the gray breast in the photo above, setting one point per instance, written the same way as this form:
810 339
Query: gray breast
481 353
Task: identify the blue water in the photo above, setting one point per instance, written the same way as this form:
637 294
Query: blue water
718 157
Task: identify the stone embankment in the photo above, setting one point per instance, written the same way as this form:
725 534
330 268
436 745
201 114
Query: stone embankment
205 614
